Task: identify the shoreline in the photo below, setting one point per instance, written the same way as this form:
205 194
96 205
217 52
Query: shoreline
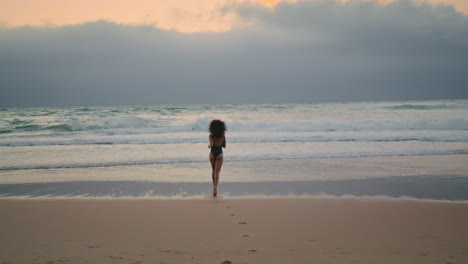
377 198
431 187
322 230
252 171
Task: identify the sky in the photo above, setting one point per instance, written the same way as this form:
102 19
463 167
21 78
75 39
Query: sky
87 52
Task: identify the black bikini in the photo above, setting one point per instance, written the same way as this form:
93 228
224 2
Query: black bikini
216 150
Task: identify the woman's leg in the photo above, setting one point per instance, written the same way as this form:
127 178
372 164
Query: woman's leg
213 175
212 161
218 165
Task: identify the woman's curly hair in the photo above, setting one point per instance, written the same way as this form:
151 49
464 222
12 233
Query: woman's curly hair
217 128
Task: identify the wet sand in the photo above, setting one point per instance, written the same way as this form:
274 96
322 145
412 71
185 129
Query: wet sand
226 230
314 169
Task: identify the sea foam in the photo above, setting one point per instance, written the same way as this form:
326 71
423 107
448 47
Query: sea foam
109 136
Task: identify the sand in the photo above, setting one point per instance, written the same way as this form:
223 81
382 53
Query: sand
226 230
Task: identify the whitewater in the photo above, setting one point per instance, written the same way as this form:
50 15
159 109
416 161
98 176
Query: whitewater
105 136
395 148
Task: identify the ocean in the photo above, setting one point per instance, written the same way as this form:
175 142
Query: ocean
272 149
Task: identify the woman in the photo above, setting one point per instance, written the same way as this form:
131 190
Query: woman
217 142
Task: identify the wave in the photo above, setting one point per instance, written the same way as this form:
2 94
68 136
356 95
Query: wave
130 124
138 130
425 106
239 137
61 127
371 125
29 127
18 122
134 123
231 159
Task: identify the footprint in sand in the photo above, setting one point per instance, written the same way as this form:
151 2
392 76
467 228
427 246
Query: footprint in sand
245 236
253 250
171 251
226 262
114 257
94 246
242 223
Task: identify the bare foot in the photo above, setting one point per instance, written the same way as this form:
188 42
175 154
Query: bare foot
215 193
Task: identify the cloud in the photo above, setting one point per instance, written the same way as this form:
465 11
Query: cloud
305 51
398 28
180 15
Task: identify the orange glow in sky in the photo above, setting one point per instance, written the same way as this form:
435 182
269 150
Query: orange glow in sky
269 2
180 15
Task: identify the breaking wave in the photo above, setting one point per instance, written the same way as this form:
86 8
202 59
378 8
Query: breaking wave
135 123
424 106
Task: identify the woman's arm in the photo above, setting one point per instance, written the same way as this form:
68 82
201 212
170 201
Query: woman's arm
211 141
224 142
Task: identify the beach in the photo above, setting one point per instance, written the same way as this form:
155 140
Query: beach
234 132
349 182
229 230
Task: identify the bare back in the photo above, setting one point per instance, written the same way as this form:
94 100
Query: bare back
219 142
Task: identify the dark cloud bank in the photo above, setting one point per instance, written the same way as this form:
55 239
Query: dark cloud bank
296 53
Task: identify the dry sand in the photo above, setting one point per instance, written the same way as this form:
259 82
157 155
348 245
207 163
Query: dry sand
287 230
